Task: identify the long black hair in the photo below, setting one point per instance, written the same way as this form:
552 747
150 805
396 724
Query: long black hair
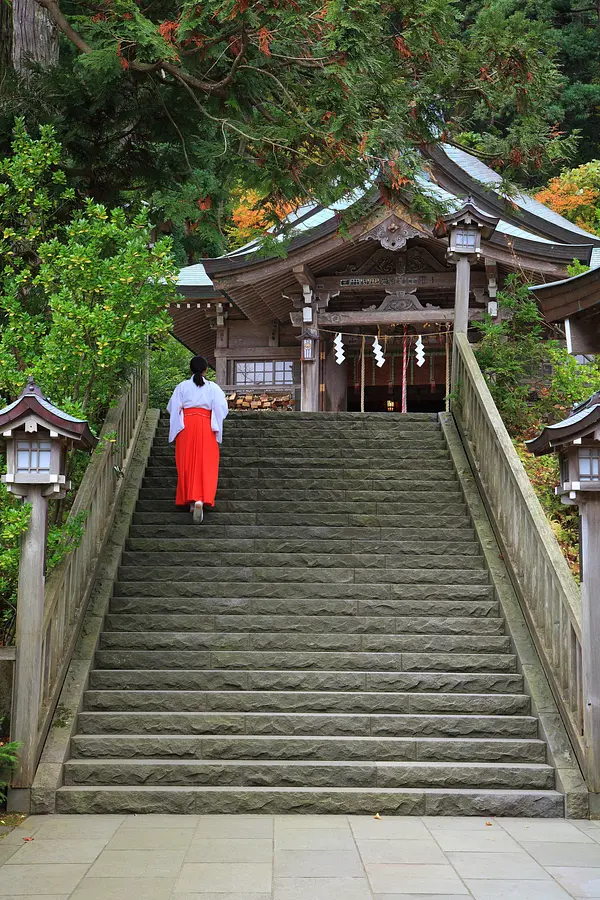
198 365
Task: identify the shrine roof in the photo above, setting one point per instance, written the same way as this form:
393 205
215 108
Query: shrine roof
561 299
582 422
525 226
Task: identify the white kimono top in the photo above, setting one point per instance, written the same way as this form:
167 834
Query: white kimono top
209 396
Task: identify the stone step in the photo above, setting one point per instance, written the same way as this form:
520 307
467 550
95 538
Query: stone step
412 492
381 515
208 549
323 460
301 489
299 512
265 437
273 591
299 681
289 451
408 528
195 747
219 800
325 424
317 724
235 800
306 625
409 661
305 701
189 559
278 641
198 576
149 604
255 773
264 472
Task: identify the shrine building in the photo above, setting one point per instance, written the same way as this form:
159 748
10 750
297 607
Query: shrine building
268 324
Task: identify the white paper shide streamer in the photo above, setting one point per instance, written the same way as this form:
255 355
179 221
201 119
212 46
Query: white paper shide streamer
338 344
419 351
378 353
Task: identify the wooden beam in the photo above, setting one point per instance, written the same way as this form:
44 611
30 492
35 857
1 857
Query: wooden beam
304 276
374 317
390 283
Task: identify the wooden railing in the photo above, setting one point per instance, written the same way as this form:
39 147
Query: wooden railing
69 586
548 592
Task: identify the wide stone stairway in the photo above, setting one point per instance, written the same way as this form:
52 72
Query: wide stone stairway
329 640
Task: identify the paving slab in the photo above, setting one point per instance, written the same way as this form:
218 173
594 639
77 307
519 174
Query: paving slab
44 879
579 882
313 839
401 851
124 889
235 826
553 830
205 878
515 890
321 889
419 879
147 838
497 865
387 828
548 853
241 850
138 863
318 863
52 852
492 840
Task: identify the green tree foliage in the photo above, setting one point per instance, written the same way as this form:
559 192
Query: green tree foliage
571 29
185 101
534 381
81 289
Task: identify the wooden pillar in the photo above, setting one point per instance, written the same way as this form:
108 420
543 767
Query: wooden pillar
29 638
336 382
590 637
310 379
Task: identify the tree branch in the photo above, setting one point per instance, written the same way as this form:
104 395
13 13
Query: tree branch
63 25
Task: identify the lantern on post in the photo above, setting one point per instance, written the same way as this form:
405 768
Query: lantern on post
577 441
465 228
37 436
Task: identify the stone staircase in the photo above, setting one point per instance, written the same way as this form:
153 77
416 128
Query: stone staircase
327 641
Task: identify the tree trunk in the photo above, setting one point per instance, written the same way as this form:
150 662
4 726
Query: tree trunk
34 37
5 35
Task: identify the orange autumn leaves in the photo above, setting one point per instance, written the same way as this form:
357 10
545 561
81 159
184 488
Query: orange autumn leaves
575 194
252 216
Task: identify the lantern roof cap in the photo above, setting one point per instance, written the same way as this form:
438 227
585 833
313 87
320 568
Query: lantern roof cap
32 403
469 214
582 421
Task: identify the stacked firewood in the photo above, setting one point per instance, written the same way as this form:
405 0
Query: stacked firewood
279 402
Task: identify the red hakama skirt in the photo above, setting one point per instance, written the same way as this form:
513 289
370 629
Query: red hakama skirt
197 459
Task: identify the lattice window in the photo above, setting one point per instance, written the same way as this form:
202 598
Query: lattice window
589 464
33 456
264 372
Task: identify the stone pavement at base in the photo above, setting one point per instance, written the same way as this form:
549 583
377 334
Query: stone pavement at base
299 858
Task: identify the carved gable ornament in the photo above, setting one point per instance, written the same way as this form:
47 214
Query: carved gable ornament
392 233
401 301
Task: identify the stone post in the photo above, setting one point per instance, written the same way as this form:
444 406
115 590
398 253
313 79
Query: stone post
461 301
590 635
29 640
